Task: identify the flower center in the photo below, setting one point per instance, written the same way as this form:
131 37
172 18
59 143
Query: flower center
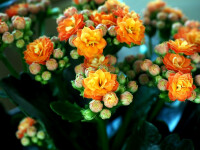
176 62
38 49
92 43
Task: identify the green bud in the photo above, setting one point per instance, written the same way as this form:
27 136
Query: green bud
20 43
46 75
17 34
34 139
41 135
39 143
88 114
74 54
115 41
25 141
38 78
105 114
29 33
122 78
61 63
85 17
157 79
66 59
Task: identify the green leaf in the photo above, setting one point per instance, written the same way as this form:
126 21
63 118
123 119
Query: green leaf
67 110
3 94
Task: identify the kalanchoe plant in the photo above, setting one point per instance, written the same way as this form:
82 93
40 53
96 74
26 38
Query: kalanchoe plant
87 4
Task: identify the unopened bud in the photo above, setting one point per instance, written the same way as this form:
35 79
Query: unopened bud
173 17
72 37
132 86
99 1
121 89
31 131
115 41
38 78
41 135
4 17
74 54
70 11
130 74
79 81
28 22
111 59
112 31
140 56
197 79
160 24
55 39
85 17
25 141
103 27
46 75
176 26
159 60
96 106
51 64
87 70
82 1
86 12
146 13
193 96
60 19
146 64
154 70
34 9
153 23
7 38
146 20
58 53
137 65
129 59
126 98
197 99
105 114
161 16
162 49
3 27
79 69
17 34
19 22
163 69
88 114
143 79
34 139
89 23
162 84
61 63
110 99
195 58
22 11
121 78
20 43
111 69
167 74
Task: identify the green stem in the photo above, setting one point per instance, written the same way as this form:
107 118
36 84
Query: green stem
101 125
150 47
13 72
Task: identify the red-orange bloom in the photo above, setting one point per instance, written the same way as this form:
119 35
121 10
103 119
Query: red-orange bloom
102 18
177 63
193 37
181 46
13 9
130 30
70 26
180 86
182 32
76 2
176 11
38 51
90 42
99 83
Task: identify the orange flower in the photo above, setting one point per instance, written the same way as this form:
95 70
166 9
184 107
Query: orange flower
96 61
155 5
13 10
177 63
176 11
180 86
193 37
76 2
192 24
182 31
121 12
181 46
38 51
99 83
69 26
130 30
89 42
102 18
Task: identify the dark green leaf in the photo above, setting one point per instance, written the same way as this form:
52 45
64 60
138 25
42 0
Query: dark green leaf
3 94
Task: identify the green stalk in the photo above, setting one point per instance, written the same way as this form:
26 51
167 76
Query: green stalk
101 127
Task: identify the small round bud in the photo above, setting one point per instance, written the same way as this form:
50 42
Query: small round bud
85 17
74 54
19 22
162 84
146 64
34 9
46 75
121 89
72 37
99 1
162 16
146 13
176 26
17 34
153 23
126 98
20 43
25 141
194 67
4 16
159 60
167 74
132 86
89 23
87 70
122 78
70 11
173 17
157 79
102 9
130 74
79 81
137 65
103 27
154 70
55 39
82 1
140 56
110 99
61 63
146 20
58 53
193 96
79 69
105 114
51 64
66 59
41 135
34 139
22 11
88 114
143 79
163 69
38 78
160 24
28 22
195 58
184 18
129 59
197 99
112 31
86 12
31 131
197 79
115 41
96 106
60 19
7 38
3 27
162 49
111 59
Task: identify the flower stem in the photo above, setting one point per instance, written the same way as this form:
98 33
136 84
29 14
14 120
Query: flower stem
101 127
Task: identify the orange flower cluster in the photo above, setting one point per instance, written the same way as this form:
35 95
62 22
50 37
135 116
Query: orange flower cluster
14 9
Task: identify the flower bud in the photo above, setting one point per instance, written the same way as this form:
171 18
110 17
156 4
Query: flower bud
79 69
96 106
153 23
173 17
86 6
140 56
162 16
41 135
25 141
194 67
193 96
121 78
59 19
88 114
58 53
115 41
87 70
61 63
110 99
163 69
103 27
137 65
146 13
51 64
111 69
79 81
22 11
143 79
82 1
46 75
168 73
121 89
34 9
70 11
34 139
195 58
159 60
31 131
89 23
176 26
66 59
160 24
86 12
111 59
157 79
154 70
197 80
18 22
105 114
146 64
85 17
130 74
38 78
99 1
102 9
72 37
7 38
112 31
74 54
129 59
55 39
126 98
4 17
146 20
20 43
197 99
3 27
28 22
17 34
162 49
132 86
162 85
